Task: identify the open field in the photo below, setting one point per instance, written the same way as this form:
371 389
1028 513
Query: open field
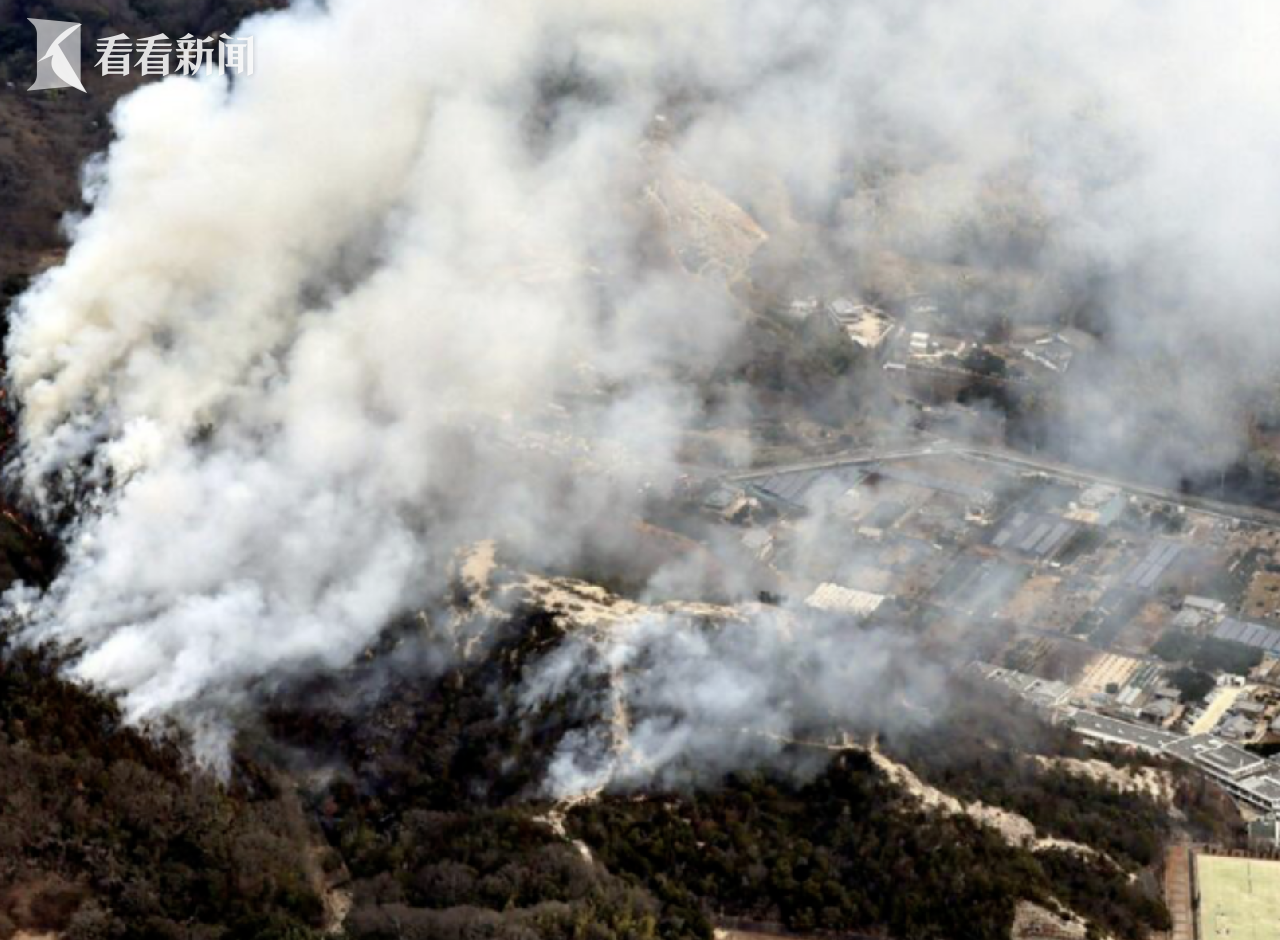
1239 898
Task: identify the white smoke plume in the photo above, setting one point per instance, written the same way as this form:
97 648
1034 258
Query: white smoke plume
397 291
668 700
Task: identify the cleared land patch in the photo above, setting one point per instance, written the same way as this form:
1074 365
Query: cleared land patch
1239 898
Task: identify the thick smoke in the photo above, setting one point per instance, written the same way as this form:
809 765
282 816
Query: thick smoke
673 702
406 287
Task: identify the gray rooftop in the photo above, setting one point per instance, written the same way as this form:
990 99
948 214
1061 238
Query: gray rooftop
792 486
1250 634
1266 788
1215 754
1237 726
1188 619
1033 534
1121 732
1048 691
1204 603
928 481
1147 572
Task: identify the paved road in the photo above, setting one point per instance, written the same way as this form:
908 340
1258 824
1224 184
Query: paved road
1054 468
1017 460
849 458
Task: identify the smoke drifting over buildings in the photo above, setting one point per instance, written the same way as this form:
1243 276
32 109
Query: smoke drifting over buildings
399 291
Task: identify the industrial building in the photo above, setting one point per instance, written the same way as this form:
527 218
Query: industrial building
837 599
1246 776
1249 634
864 325
1084 577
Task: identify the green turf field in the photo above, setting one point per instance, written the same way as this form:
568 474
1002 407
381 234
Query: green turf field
1239 898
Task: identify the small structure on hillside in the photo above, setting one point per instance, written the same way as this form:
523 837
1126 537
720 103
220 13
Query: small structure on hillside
864 325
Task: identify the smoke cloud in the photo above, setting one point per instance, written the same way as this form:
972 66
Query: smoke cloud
668 700
436 274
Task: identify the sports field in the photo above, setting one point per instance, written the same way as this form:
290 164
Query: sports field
1239 898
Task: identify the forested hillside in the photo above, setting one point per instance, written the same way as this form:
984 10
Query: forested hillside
423 810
